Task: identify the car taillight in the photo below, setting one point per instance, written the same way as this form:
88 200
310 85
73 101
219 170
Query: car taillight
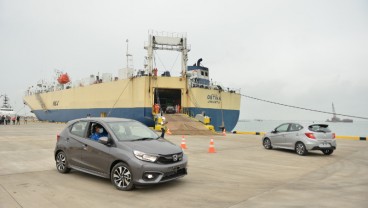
333 135
310 135
57 137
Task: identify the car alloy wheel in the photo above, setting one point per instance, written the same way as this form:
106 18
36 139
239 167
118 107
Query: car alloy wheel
267 143
61 163
300 149
121 177
327 151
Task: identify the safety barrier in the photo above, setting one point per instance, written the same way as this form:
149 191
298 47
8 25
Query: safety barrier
249 132
337 137
352 138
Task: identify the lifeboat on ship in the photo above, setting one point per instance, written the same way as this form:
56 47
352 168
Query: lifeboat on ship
63 78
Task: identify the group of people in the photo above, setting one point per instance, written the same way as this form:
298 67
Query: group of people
177 108
7 120
157 109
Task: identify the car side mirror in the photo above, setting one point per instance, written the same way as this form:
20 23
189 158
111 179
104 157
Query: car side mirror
103 140
274 131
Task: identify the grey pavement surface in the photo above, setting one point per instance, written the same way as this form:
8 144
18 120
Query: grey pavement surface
240 174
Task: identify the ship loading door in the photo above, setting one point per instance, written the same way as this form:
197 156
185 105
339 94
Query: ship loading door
167 97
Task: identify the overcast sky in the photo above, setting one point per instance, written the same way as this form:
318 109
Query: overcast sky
303 53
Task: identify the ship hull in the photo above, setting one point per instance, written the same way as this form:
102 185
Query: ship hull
219 118
134 98
143 115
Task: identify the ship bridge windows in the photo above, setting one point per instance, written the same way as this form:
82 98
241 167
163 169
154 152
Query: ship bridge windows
200 82
204 73
167 97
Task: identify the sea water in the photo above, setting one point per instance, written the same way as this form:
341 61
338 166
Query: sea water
357 128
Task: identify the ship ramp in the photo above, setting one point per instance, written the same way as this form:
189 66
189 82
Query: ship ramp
182 124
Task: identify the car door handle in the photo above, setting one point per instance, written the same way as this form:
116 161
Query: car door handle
85 147
67 139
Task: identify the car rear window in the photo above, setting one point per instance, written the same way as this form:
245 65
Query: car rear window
319 128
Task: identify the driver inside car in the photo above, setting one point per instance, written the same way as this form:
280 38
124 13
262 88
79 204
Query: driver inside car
98 132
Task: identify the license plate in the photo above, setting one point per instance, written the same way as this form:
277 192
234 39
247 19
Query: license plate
324 145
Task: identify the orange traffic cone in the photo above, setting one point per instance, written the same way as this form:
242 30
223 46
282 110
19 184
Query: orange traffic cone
168 132
211 149
183 144
224 132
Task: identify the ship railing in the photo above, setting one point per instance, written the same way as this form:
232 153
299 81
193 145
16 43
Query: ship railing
214 87
167 34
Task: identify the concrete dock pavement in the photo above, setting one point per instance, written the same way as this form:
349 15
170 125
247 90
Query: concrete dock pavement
240 174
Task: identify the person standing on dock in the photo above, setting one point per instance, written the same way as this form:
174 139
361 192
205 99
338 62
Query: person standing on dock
18 118
163 127
156 108
7 120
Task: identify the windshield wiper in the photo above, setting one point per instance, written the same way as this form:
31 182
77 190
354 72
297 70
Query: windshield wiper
144 138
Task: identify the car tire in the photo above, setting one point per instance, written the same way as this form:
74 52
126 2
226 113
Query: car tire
327 151
300 149
122 177
62 163
267 143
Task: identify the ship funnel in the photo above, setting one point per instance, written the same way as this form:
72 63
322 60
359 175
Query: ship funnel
199 62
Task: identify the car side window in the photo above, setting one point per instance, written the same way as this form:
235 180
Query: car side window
295 127
282 128
79 128
92 134
298 127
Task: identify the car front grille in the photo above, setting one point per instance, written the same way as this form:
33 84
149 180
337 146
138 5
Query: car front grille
169 159
174 174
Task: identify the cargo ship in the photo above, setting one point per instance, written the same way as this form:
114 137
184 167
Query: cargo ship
336 119
136 94
6 109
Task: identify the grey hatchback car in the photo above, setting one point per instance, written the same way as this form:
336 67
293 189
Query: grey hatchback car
129 153
301 138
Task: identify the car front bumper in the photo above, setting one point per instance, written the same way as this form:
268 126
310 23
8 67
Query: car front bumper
145 173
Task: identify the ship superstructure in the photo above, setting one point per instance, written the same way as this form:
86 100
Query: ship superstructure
134 94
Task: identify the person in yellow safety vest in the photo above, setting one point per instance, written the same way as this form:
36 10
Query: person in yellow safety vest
157 108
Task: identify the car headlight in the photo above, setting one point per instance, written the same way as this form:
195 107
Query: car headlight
144 156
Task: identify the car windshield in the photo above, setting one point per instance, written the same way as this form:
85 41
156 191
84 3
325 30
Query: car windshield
319 128
132 131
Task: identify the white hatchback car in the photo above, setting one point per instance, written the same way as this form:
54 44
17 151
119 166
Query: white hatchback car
301 138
